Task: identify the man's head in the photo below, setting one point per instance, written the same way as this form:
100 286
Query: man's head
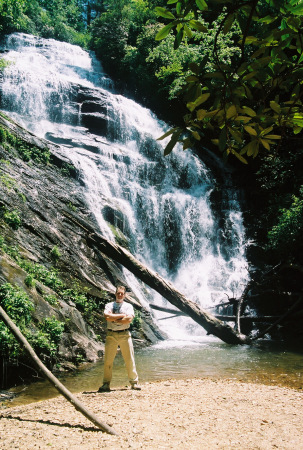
120 293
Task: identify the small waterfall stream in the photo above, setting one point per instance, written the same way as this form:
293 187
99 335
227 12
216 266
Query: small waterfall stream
160 206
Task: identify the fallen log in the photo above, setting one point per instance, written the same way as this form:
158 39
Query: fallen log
156 282
51 378
167 290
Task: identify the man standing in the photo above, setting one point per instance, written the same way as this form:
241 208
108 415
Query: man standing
119 315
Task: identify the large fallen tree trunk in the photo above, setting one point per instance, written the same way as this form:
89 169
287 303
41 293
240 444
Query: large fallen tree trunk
167 290
51 378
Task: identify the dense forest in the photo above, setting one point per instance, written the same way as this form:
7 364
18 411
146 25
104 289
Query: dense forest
228 76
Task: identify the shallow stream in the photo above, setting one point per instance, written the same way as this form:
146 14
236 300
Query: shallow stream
204 357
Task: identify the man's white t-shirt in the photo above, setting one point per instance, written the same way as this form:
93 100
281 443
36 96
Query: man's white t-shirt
118 308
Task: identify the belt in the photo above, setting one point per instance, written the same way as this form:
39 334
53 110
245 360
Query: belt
118 331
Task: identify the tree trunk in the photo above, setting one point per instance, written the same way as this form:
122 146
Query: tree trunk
167 290
51 378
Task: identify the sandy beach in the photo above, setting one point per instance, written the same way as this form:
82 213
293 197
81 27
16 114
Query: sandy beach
173 414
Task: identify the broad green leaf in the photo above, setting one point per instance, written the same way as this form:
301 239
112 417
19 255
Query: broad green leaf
240 158
261 62
258 52
215 141
250 40
267 19
265 144
202 5
179 8
201 99
249 75
178 38
275 106
266 131
231 112
243 119
212 113
198 26
164 13
196 135
201 113
171 2
273 136
252 146
168 133
236 135
172 143
164 32
228 23
250 130
250 112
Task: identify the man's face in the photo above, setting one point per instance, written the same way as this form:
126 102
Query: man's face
120 294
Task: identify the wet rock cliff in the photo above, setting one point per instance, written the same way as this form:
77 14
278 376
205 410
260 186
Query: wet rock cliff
42 212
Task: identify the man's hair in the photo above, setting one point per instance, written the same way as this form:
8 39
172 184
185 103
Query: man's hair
121 287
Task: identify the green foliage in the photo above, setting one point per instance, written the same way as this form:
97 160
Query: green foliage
12 218
53 328
18 306
51 299
46 339
247 103
29 281
10 183
285 237
27 151
12 16
67 169
51 278
122 37
55 253
136 323
58 19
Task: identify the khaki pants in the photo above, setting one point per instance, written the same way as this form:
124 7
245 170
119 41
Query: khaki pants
124 341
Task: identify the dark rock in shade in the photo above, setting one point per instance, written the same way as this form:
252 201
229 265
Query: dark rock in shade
49 203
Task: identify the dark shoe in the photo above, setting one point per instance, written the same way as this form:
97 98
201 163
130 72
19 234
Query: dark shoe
104 388
135 386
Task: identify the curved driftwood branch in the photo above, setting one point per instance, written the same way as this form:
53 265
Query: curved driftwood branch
51 378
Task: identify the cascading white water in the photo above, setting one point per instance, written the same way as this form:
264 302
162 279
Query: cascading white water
161 205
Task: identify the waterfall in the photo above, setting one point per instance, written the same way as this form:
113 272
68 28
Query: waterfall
160 207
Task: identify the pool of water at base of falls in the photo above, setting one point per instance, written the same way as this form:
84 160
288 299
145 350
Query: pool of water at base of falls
203 357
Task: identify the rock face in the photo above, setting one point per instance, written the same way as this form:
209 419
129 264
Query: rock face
48 203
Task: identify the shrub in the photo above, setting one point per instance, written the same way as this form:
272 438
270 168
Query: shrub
12 219
285 237
30 281
17 305
55 253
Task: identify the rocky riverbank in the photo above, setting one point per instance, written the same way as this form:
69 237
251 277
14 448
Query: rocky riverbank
187 414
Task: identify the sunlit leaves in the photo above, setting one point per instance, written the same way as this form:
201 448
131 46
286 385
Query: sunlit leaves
164 13
164 32
249 101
